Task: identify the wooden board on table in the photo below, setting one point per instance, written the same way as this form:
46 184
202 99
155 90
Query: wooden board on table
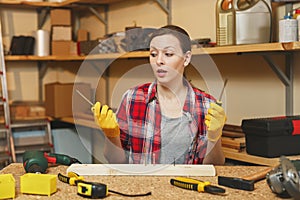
143 170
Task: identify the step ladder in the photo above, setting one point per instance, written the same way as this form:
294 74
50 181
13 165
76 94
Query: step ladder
42 142
8 148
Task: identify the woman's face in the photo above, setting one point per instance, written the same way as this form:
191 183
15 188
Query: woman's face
166 58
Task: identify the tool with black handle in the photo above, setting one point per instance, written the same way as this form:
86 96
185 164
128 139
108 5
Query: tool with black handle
196 185
243 183
92 190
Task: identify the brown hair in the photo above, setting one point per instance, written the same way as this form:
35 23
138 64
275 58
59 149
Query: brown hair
176 31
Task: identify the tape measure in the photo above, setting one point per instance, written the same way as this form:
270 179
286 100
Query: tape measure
91 190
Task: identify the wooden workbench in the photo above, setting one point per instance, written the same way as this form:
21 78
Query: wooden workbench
233 154
159 186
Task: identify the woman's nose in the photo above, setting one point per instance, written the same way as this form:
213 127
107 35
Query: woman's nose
160 59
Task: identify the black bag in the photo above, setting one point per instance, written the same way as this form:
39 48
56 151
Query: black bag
22 45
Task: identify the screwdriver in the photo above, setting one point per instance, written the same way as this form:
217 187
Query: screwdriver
87 100
219 102
196 185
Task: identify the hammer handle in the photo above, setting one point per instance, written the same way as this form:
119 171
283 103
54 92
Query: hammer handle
257 176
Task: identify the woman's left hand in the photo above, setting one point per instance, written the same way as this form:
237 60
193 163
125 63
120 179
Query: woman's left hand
215 120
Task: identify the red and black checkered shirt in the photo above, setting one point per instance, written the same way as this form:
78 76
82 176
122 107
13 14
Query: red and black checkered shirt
139 118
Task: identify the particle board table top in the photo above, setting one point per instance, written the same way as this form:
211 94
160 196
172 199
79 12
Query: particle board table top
159 186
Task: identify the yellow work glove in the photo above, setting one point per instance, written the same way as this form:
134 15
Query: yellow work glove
215 120
106 120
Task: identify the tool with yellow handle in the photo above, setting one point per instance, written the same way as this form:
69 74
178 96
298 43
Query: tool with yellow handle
196 185
92 190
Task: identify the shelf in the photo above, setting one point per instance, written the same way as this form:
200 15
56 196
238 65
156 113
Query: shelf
56 4
265 47
139 54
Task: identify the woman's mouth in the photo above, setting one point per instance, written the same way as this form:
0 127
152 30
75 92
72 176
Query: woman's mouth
161 72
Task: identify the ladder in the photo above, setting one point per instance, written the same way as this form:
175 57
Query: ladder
11 146
8 151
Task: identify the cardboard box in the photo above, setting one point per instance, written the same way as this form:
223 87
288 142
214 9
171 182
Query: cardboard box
82 35
21 110
61 33
59 99
60 17
63 48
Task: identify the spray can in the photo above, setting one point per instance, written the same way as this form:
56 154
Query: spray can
288 29
225 16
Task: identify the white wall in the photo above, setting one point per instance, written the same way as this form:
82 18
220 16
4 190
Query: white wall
253 89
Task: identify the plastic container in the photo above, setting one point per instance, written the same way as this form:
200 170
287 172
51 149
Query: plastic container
297 17
42 184
288 29
272 137
253 21
225 16
7 186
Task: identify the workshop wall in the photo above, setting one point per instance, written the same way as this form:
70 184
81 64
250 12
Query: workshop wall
253 89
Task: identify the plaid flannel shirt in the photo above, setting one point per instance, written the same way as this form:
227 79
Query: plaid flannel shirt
139 118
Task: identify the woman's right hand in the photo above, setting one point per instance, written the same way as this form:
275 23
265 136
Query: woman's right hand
106 120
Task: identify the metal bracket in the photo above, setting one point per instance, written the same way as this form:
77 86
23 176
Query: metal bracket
42 69
285 77
104 19
42 16
166 7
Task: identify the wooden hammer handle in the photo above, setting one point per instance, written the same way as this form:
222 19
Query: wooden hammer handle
258 175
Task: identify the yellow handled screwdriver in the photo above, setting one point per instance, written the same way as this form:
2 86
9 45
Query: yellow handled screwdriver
196 185
219 102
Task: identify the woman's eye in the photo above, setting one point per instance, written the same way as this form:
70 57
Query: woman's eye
169 54
153 54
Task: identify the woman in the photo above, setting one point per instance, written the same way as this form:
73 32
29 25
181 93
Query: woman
167 121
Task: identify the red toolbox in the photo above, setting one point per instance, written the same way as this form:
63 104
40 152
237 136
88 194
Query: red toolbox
273 136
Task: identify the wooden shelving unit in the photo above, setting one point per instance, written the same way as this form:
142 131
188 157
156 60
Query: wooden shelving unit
265 47
57 4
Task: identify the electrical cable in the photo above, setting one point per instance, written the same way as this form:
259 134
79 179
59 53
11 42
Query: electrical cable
271 20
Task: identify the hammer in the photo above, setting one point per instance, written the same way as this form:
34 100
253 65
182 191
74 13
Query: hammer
244 183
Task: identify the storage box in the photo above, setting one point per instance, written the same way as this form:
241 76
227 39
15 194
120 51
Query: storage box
272 137
7 186
58 99
43 184
61 33
63 48
60 17
82 35
20 110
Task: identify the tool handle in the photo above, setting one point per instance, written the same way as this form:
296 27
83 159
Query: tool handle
258 176
184 184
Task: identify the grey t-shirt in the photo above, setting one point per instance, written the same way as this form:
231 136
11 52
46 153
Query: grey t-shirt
176 139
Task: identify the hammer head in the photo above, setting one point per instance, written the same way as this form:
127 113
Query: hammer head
236 183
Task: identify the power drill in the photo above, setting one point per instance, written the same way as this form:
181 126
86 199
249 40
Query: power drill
37 161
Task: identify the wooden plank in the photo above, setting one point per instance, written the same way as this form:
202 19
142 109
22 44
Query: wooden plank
244 157
143 170
232 134
235 143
